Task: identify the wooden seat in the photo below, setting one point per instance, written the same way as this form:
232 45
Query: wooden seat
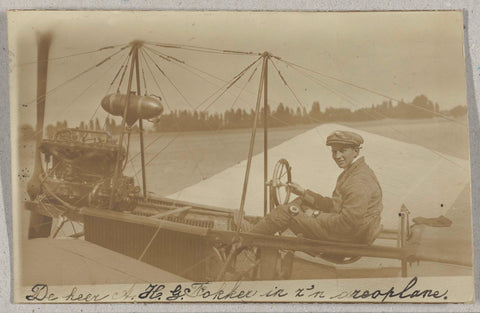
339 259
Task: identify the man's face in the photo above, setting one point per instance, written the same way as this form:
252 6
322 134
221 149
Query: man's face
343 155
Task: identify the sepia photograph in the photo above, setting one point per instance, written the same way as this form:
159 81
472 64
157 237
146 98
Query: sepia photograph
194 156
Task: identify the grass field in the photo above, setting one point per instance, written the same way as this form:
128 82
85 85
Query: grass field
192 157
437 134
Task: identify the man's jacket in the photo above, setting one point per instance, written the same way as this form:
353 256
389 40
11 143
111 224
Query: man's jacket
353 212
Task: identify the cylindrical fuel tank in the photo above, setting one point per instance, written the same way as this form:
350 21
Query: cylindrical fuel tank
139 107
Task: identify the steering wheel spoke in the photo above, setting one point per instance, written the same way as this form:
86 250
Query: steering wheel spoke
282 177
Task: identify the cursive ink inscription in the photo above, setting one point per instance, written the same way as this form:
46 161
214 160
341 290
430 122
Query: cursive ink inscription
40 293
302 292
275 292
123 295
152 292
75 296
236 292
203 290
200 290
407 292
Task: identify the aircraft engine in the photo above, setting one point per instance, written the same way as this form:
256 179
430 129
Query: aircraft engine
139 107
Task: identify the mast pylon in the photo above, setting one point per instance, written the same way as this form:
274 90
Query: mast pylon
134 63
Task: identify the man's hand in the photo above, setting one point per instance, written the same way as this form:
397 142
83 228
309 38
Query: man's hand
296 189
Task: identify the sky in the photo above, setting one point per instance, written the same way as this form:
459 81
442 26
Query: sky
398 54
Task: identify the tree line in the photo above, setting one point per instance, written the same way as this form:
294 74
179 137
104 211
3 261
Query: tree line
283 115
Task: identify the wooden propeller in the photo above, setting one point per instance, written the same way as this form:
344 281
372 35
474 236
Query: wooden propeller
40 225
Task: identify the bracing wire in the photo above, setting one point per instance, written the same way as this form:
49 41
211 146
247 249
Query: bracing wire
172 83
142 53
71 55
184 65
182 62
202 49
88 87
123 73
234 80
169 58
123 66
78 96
233 103
163 96
161 150
75 77
226 86
292 92
353 103
371 91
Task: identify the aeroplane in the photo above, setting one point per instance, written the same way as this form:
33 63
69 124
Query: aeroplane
79 175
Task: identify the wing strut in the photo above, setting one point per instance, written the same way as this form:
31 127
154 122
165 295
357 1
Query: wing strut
140 125
265 136
263 80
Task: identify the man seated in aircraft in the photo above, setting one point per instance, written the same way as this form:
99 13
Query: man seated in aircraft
352 214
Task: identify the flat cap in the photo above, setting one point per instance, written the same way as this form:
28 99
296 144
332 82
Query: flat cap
346 138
